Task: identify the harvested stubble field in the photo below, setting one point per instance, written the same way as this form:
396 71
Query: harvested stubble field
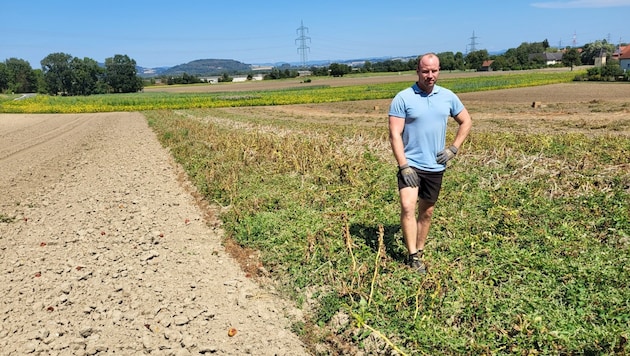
590 108
575 107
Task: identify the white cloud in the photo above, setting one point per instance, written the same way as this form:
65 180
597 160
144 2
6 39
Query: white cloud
581 4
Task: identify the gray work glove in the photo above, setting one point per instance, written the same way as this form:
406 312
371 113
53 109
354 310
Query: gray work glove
408 175
446 154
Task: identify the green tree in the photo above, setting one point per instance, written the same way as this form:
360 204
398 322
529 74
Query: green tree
594 73
190 79
367 67
275 73
4 77
390 65
21 78
121 74
475 59
57 73
592 50
460 63
447 61
537 47
571 58
338 70
521 55
513 63
39 79
317 71
225 78
87 77
500 63
65 75
611 71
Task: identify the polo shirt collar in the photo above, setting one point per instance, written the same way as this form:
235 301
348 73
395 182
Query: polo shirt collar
417 90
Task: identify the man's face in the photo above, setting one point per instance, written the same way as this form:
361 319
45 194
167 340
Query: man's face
428 72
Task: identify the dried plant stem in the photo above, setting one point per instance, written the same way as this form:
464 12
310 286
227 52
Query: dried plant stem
391 344
379 254
348 239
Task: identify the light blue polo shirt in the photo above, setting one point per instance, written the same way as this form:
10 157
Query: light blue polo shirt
425 116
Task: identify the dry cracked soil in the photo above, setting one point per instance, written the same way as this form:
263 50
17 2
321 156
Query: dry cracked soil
104 250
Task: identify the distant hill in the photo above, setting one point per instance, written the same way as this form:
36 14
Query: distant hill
210 67
206 67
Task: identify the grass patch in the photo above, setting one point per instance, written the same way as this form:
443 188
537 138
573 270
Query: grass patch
528 253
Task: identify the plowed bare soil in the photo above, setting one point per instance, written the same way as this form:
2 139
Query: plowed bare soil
580 107
104 250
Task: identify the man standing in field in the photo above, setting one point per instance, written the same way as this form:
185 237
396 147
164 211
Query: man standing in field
417 131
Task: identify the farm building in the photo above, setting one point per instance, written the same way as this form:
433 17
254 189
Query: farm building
212 79
237 78
486 66
549 58
618 52
624 58
244 78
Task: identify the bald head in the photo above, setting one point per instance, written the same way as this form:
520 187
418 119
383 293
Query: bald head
427 59
428 71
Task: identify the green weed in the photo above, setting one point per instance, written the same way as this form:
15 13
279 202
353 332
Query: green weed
6 219
528 252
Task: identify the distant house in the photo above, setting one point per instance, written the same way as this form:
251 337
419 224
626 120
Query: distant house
244 78
486 66
600 60
211 80
618 52
549 58
624 58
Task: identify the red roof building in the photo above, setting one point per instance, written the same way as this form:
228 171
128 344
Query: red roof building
624 57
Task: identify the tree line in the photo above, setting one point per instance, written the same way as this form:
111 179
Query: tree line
525 56
63 74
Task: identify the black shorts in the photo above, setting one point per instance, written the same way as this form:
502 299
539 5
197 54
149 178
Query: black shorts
429 187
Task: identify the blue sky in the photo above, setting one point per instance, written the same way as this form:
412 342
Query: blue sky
167 33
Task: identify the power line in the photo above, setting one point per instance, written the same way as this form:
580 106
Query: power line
303 48
473 43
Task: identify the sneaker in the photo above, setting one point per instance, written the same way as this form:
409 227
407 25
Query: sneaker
416 264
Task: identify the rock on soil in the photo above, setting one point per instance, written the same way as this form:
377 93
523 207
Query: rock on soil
103 251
